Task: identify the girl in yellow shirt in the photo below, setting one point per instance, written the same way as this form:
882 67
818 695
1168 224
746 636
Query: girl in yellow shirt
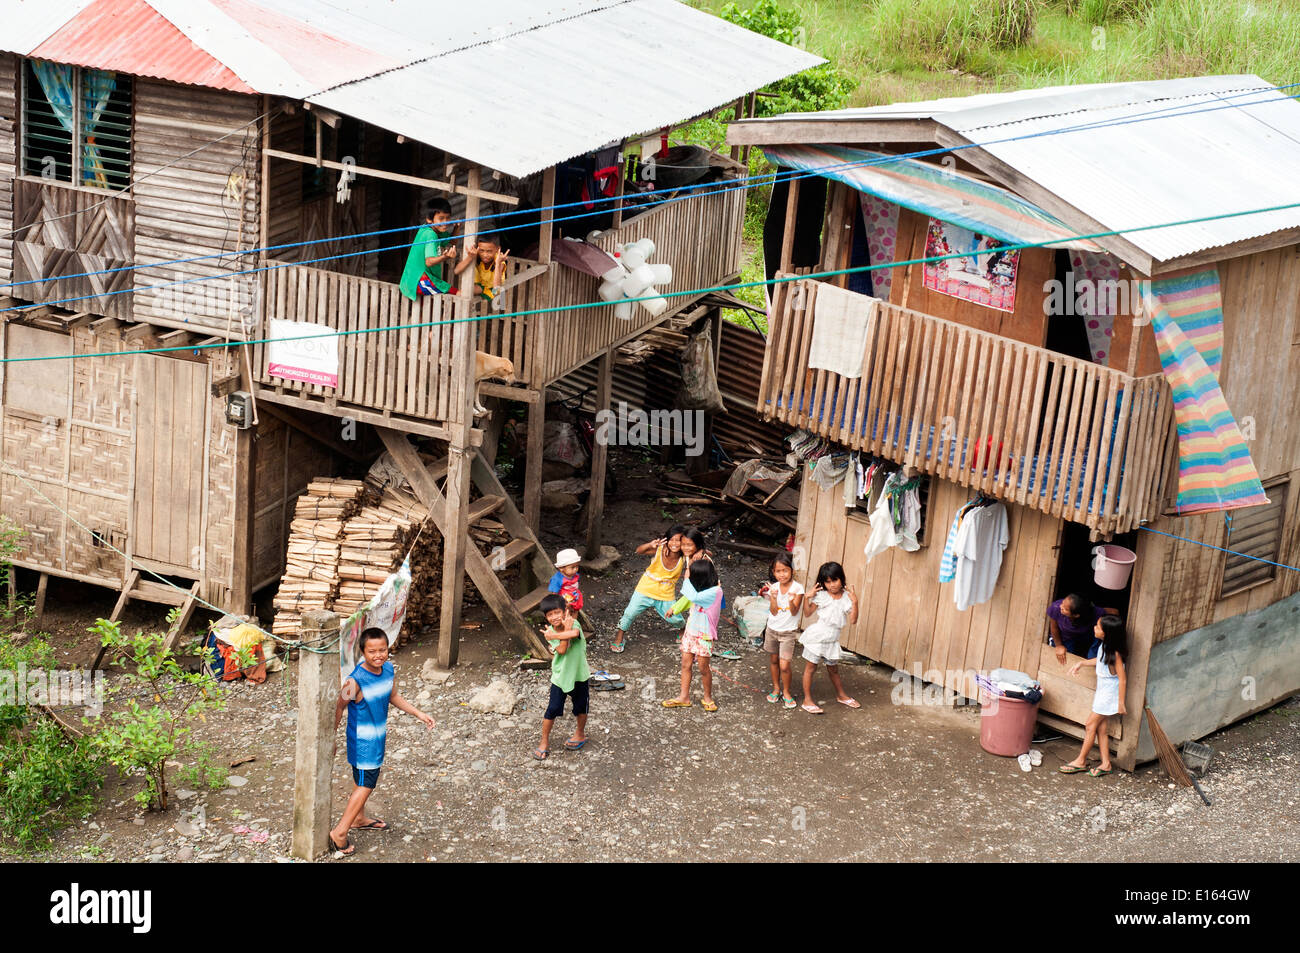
658 586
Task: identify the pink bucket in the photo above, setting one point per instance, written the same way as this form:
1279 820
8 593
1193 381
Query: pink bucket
1111 566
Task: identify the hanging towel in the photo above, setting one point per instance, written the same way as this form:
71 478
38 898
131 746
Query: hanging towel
841 322
1215 471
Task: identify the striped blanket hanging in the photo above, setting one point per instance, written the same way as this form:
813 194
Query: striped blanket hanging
1215 471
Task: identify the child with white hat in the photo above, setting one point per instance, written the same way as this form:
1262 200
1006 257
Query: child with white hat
565 582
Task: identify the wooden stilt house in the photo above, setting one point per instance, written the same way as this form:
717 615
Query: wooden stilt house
993 370
181 182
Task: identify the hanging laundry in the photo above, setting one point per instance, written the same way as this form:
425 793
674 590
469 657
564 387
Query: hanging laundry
948 564
896 517
851 482
829 470
981 539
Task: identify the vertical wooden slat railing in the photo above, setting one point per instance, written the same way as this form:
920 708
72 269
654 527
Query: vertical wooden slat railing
1067 437
402 369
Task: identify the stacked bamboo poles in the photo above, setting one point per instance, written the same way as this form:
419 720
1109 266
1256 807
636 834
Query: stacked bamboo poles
310 578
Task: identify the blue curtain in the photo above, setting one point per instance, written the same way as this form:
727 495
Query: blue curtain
96 87
57 81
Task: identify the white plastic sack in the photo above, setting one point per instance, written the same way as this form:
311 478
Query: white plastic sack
751 615
387 611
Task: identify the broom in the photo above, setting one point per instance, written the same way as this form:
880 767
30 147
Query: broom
1169 757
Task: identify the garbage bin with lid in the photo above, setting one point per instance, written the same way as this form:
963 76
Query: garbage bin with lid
1006 722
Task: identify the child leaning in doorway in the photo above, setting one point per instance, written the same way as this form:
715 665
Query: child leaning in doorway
366 694
1108 699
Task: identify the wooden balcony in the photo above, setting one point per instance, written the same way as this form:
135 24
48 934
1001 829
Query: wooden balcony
404 372
1027 425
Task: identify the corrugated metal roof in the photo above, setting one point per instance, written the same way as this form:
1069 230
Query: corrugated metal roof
130 36
516 85
1194 161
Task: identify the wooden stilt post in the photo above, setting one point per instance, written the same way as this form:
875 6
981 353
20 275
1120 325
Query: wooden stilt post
318 691
39 609
455 537
599 458
533 456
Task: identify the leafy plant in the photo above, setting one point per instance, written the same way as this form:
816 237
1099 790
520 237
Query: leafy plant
47 781
205 772
140 738
16 609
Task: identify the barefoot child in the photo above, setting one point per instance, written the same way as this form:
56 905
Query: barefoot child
366 694
569 673
703 594
565 580
658 586
1108 699
836 607
785 600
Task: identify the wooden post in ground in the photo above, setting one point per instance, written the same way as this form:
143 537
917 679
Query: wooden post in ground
455 536
540 336
533 459
39 609
318 692
599 457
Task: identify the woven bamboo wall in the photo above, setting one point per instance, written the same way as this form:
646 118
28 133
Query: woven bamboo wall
83 461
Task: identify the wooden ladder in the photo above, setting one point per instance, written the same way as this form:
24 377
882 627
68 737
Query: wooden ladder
147 590
524 547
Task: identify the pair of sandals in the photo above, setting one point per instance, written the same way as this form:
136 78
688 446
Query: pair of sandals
775 697
604 681
1097 772
541 754
815 709
676 703
347 848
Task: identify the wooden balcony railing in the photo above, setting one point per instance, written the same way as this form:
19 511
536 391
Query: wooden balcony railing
404 371
699 236
1067 437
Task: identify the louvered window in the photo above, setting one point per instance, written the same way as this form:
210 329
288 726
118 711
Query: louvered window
77 125
1256 533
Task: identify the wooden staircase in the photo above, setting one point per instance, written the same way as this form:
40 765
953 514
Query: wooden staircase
148 590
523 548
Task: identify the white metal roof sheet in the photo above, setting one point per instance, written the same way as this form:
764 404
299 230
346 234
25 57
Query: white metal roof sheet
1146 153
517 85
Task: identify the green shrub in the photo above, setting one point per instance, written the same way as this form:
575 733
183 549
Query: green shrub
47 781
949 33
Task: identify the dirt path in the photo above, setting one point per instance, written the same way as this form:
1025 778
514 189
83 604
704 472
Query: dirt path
751 782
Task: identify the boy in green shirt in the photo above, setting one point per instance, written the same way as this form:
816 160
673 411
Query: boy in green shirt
433 245
569 673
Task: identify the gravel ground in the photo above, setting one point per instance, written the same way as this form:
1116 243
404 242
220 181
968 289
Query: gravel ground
751 782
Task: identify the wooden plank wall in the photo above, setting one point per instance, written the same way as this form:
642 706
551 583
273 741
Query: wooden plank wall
909 620
205 204
286 460
8 158
86 464
1028 323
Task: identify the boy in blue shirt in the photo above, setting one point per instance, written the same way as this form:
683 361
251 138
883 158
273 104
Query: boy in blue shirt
366 694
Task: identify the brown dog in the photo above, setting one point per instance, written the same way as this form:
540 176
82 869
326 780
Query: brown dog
488 367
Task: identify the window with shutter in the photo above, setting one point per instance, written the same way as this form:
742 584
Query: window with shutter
77 125
1256 534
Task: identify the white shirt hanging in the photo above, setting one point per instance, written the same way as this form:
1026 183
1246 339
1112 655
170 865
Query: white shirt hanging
981 538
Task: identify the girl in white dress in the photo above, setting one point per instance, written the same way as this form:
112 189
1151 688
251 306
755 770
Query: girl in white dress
836 606
1108 700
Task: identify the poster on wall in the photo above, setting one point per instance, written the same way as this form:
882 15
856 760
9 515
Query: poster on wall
980 273
304 352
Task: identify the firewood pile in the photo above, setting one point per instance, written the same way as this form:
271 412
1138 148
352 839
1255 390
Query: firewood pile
347 538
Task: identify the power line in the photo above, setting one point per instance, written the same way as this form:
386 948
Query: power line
929 259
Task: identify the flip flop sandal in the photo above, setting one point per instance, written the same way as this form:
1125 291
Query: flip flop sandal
774 697
541 754
851 703
1098 772
376 825
674 703
348 848
790 703
727 654
709 706
1070 769
812 709
618 647
575 746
